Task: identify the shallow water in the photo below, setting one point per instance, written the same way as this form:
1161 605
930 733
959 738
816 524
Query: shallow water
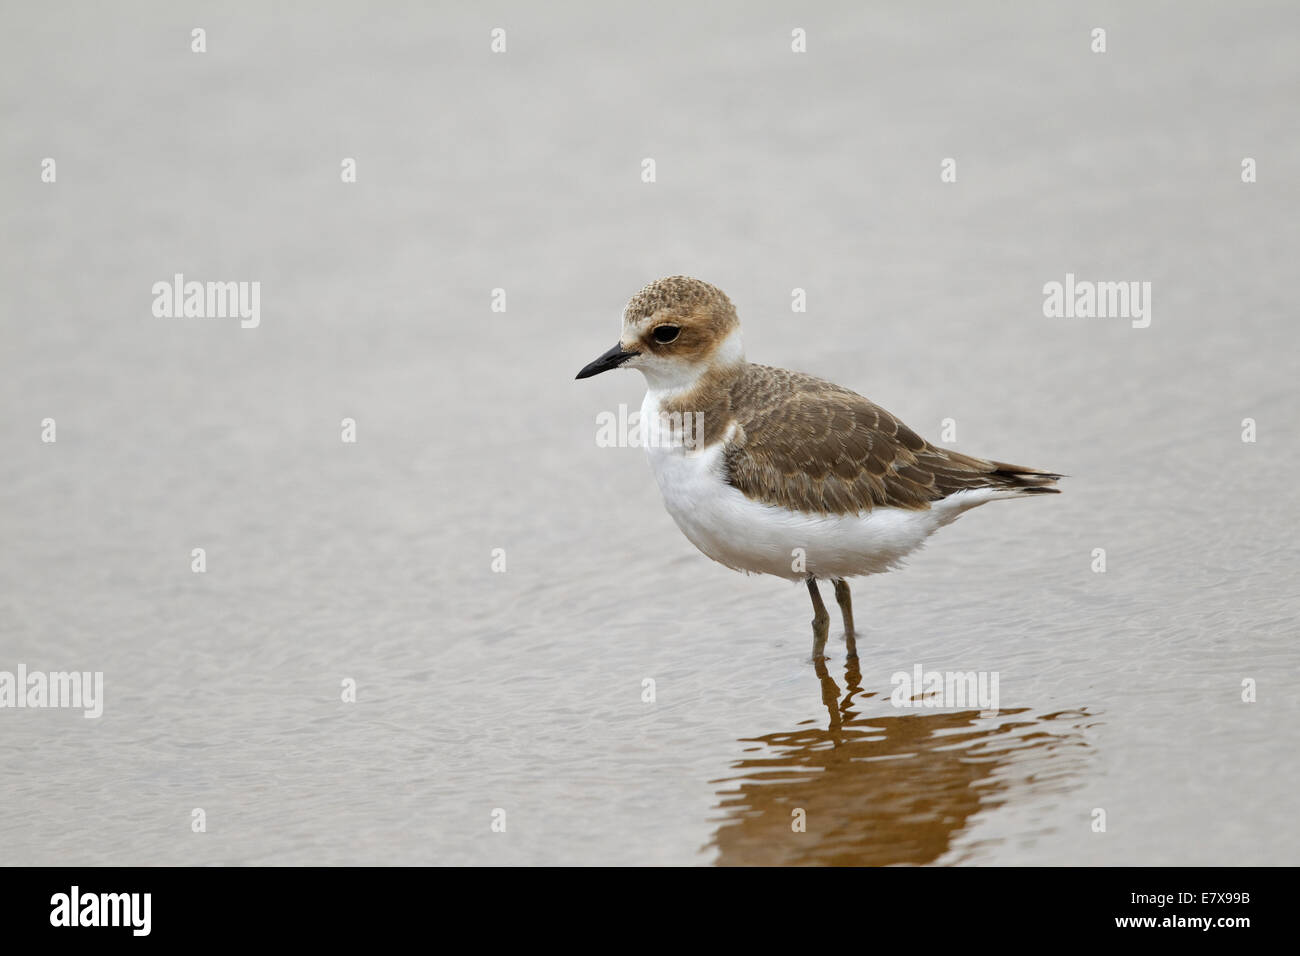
523 690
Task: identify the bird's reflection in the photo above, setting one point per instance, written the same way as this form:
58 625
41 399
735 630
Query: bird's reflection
895 786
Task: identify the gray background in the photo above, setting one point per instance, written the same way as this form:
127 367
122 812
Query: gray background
522 690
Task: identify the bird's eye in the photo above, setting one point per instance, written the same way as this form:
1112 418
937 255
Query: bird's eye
665 334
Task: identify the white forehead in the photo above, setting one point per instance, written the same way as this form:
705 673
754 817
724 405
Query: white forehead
640 323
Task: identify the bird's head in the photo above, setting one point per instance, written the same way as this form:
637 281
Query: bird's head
674 330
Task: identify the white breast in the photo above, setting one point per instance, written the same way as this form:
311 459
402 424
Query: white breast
750 536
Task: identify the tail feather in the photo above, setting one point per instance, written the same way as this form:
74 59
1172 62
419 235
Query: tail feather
1027 481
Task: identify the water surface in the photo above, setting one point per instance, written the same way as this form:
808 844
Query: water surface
523 690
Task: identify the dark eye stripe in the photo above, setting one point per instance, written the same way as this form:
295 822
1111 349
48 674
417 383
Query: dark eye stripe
665 334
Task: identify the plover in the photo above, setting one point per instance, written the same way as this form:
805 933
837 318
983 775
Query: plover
769 471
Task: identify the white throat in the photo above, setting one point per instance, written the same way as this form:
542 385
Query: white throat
664 379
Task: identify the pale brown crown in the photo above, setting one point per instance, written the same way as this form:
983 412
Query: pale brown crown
677 295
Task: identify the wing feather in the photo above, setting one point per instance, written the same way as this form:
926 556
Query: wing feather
809 445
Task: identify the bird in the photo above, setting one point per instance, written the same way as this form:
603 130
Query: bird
770 471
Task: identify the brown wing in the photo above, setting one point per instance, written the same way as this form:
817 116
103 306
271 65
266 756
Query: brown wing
812 446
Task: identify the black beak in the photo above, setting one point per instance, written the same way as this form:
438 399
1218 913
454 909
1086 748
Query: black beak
611 359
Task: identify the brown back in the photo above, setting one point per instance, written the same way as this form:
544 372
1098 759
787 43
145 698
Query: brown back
813 446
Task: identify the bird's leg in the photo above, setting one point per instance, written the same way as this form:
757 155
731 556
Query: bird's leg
845 599
821 621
